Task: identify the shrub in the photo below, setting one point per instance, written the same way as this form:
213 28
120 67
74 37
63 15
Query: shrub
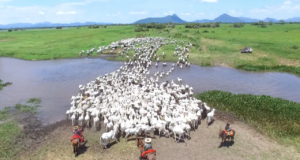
295 47
205 31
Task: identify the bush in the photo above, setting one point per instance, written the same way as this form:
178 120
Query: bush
263 26
58 27
295 47
10 30
205 31
139 29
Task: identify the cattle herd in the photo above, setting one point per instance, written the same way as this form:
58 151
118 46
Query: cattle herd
132 101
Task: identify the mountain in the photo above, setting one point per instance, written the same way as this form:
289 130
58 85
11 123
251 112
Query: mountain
295 19
171 18
48 24
202 21
225 18
270 19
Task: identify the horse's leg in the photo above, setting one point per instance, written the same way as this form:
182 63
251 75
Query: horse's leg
222 136
74 148
77 148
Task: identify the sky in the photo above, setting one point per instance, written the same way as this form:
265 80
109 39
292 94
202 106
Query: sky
129 11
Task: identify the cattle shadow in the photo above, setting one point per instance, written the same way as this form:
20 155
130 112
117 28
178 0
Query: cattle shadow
210 123
111 144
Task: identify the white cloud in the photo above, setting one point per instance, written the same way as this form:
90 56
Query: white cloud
209 1
142 12
169 13
235 13
42 13
2 6
283 11
69 12
190 6
185 14
290 1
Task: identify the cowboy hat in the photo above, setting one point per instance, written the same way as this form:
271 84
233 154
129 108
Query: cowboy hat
75 127
148 140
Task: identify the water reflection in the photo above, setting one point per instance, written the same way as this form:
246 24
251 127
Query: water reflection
55 81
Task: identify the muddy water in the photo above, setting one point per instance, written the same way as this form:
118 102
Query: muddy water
55 81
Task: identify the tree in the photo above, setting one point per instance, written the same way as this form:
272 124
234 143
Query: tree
270 23
281 22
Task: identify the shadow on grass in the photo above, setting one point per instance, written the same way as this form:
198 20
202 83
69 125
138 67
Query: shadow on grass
82 149
226 144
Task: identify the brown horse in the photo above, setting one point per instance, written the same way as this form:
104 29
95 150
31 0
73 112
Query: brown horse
75 144
224 136
149 156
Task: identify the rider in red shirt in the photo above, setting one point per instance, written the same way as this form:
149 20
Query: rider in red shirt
77 130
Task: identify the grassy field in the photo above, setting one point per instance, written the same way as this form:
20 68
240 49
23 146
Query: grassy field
275 48
11 128
275 117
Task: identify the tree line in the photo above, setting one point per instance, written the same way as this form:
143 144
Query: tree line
202 25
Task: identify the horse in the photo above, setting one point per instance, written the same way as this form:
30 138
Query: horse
149 156
75 143
224 136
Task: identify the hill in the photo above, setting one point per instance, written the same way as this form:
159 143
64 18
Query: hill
170 18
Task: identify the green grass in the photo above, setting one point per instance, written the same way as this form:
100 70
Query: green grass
4 114
10 130
279 68
275 117
275 47
4 84
30 106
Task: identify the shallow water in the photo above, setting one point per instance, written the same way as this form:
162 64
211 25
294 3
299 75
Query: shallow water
55 81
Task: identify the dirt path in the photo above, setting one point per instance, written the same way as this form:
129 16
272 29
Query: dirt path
204 145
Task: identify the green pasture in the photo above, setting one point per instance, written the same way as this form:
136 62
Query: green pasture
275 48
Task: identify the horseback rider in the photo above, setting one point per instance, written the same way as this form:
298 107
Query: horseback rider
228 127
77 130
147 145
